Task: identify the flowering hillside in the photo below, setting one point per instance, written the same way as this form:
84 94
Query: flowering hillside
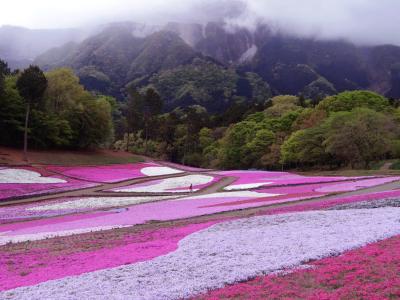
100 232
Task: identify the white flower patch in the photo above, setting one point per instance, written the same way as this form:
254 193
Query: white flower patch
233 195
4 239
177 184
246 186
158 171
25 176
227 253
97 202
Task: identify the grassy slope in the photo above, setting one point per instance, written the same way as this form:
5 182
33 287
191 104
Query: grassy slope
58 157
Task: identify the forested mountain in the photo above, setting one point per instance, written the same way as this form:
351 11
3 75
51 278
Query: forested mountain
121 57
212 65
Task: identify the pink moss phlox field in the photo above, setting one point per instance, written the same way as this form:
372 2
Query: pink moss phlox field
300 192
22 212
199 187
371 272
104 174
245 178
356 184
47 224
190 207
286 194
10 191
184 187
324 204
137 214
18 190
39 265
169 210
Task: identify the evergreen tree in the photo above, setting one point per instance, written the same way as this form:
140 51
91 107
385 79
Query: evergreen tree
31 85
4 71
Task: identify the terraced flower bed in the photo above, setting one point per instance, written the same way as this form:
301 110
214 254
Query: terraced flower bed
113 173
65 206
184 184
256 179
213 257
28 181
159 208
19 267
370 272
212 244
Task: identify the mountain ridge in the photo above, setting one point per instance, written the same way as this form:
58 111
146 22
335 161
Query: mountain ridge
131 54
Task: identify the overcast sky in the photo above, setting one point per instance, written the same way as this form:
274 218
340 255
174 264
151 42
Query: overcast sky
363 21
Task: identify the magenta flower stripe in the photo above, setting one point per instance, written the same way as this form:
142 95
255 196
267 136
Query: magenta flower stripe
111 173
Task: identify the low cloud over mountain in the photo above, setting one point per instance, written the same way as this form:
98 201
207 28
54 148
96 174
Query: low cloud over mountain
361 21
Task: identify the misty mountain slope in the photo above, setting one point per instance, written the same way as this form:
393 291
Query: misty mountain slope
161 50
385 75
290 64
227 47
19 46
57 56
109 52
129 53
190 33
114 57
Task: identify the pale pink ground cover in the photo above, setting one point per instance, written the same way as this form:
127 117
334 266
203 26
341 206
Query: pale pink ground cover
184 187
371 272
22 212
253 179
299 192
138 214
18 190
356 184
324 204
177 209
44 267
39 265
104 174
15 191
285 194
227 253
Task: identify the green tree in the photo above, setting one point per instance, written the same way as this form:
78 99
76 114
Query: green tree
12 113
259 146
305 147
48 130
347 101
63 90
205 138
4 71
362 135
142 112
91 123
282 105
244 144
152 107
134 113
31 85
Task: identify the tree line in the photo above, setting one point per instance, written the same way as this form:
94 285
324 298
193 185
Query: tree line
53 110
353 128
